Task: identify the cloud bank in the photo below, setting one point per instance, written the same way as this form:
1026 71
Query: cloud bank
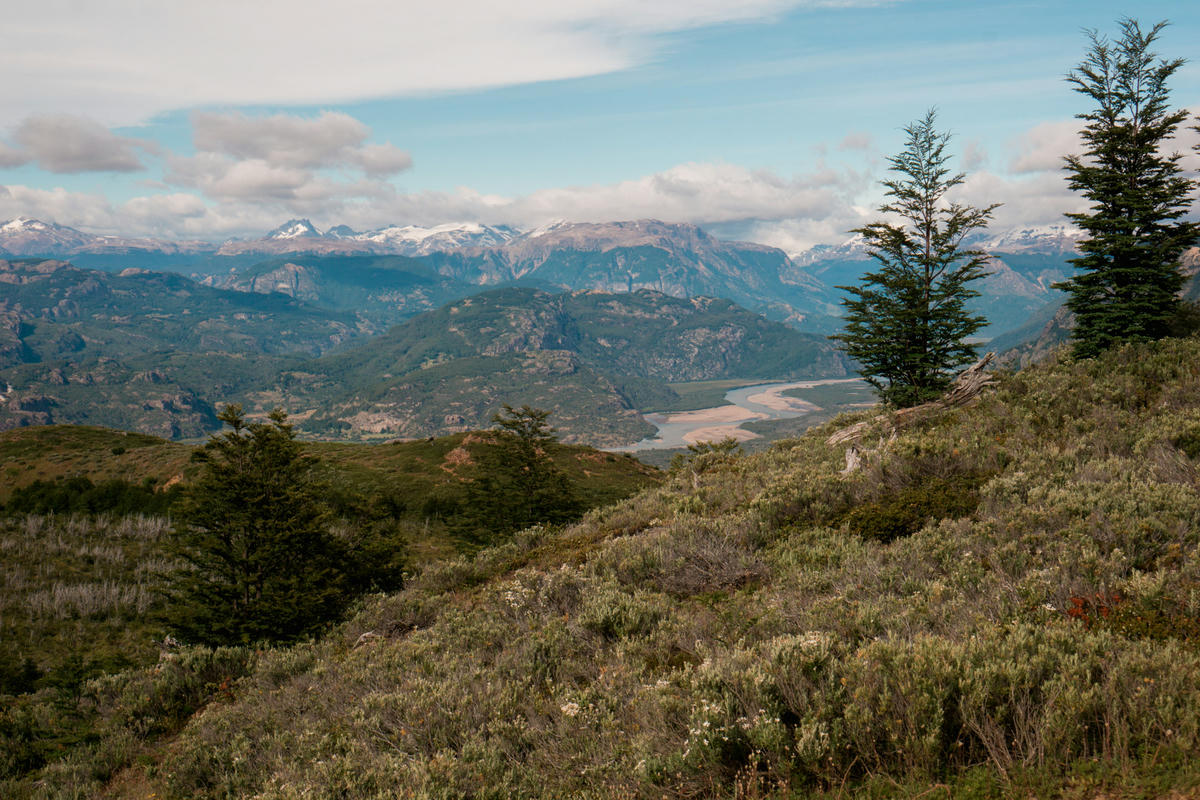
122 61
251 172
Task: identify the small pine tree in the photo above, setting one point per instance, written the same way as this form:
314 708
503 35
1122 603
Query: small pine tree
907 324
253 532
1127 288
516 484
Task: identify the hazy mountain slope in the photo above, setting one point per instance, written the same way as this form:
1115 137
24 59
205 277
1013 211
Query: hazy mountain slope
1000 603
1024 265
571 353
1051 326
63 309
675 259
155 352
31 237
381 290
141 350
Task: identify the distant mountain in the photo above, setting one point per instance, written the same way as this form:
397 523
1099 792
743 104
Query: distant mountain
1025 263
300 236
23 236
412 240
591 357
136 311
1051 325
380 290
676 259
1043 239
679 260
156 352
31 237
142 350
294 229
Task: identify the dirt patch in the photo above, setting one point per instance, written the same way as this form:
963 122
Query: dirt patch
458 457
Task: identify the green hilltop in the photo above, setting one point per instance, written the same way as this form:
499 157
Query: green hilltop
1002 601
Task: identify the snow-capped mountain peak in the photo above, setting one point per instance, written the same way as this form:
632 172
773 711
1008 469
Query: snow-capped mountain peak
341 232
295 229
549 227
414 240
25 224
1058 237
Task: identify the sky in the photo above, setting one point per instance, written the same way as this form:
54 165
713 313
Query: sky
768 120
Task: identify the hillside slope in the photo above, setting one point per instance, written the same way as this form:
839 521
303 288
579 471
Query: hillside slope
1004 601
592 358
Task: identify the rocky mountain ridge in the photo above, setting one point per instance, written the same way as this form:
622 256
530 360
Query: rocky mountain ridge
156 352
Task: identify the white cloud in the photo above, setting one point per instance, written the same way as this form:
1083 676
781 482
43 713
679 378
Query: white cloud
232 197
332 139
974 155
224 178
251 196
702 193
1035 199
66 143
381 160
857 140
122 61
11 157
92 212
284 158
1041 148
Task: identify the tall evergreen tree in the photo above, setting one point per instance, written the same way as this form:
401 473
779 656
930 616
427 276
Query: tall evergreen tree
516 483
252 529
907 323
1128 282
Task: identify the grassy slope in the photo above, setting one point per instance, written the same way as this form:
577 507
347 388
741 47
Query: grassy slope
730 627
61 451
743 629
408 470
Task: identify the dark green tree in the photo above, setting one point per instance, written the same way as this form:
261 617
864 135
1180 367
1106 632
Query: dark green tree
1127 288
262 564
516 483
907 323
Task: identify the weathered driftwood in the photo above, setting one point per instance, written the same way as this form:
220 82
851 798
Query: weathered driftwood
964 391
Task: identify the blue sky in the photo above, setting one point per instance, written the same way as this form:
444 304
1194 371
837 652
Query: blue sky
767 119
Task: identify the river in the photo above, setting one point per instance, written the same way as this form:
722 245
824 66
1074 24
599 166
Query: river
746 404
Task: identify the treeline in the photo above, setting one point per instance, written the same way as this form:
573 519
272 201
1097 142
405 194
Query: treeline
80 495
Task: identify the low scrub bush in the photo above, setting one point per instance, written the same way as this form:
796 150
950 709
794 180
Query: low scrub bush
905 511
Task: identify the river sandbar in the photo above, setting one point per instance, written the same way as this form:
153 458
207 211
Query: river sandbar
700 416
716 433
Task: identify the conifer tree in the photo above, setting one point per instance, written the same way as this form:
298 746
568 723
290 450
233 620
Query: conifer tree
907 323
252 529
1128 282
516 483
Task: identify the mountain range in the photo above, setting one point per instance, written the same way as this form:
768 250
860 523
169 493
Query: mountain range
156 352
459 259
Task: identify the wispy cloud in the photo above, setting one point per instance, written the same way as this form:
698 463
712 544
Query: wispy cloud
122 61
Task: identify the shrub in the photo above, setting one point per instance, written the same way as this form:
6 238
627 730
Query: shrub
904 512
